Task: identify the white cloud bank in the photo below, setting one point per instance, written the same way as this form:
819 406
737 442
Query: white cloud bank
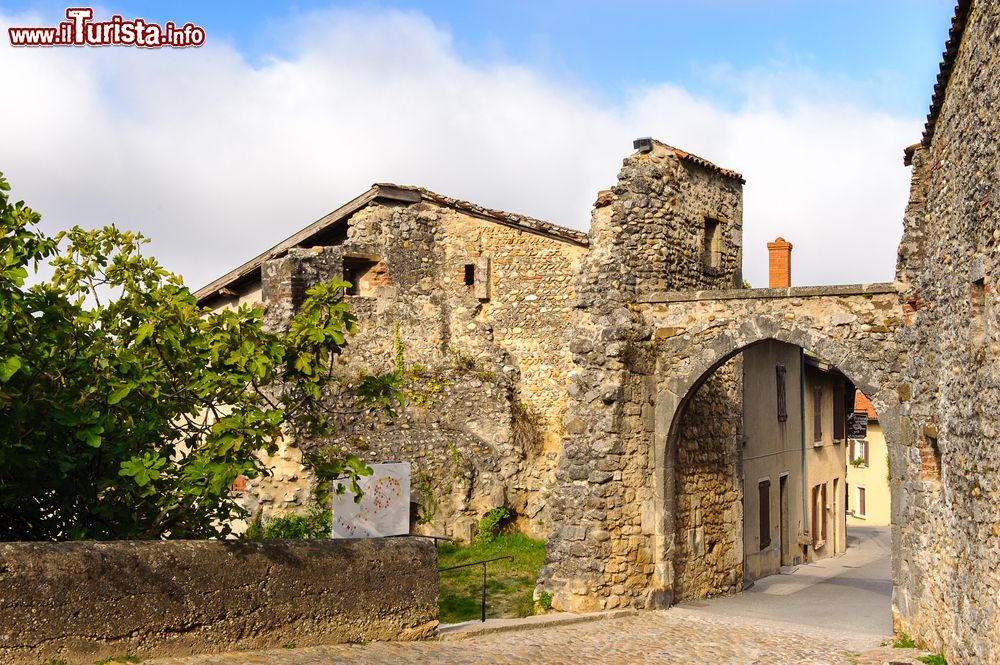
216 159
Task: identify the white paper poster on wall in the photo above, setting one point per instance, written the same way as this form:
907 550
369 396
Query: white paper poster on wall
384 510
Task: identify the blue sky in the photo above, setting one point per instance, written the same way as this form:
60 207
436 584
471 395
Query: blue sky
288 111
890 48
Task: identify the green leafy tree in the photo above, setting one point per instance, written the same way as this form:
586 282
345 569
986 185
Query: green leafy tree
126 409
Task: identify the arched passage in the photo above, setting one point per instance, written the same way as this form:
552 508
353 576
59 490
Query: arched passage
612 505
683 378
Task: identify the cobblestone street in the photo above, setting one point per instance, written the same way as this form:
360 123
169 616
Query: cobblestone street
672 636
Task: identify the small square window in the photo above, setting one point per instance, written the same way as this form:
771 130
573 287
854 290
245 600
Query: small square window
365 275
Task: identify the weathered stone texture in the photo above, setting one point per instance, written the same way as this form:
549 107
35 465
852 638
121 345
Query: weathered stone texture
488 362
80 602
708 554
949 261
678 342
649 233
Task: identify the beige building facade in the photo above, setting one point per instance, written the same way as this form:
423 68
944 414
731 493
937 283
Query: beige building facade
794 418
772 459
825 394
868 476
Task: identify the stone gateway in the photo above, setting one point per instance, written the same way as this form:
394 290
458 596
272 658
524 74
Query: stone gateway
591 382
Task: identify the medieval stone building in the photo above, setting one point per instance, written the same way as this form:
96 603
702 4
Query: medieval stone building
593 382
946 505
480 303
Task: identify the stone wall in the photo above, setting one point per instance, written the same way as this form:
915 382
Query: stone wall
480 311
949 261
647 233
84 601
623 494
708 555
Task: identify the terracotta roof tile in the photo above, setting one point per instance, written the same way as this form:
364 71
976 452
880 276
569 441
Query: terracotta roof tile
511 219
701 161
604 197
863 405
951 47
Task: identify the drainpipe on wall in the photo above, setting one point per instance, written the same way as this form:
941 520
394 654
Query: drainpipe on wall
802 429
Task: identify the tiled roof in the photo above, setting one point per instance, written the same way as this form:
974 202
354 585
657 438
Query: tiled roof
863 405
951 47
604 197
701 161
404 193
508 218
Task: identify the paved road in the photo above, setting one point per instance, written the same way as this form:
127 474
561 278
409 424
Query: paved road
829 613
675 636
847 596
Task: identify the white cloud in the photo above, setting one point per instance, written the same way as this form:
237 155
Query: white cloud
217 159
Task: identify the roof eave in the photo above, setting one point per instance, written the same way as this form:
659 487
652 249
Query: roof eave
252 267
386 192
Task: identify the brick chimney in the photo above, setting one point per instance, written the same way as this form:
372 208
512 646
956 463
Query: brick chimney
779 264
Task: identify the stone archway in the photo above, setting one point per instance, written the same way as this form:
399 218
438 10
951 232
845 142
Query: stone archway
613 536
671 418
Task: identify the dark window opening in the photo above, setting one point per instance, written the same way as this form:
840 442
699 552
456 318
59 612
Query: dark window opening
470 274
764 501
779 373
978 296
364 274
713 244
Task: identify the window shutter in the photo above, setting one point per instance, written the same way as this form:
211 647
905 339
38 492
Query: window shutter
764 503
779 375
823 511
817 413
864 450
861 501
838 411
815 515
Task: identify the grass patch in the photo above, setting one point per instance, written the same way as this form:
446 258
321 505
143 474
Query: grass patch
933 659
903 641
509 584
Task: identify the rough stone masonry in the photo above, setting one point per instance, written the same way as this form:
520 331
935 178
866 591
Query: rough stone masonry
621 347
648 503
925 348
948 545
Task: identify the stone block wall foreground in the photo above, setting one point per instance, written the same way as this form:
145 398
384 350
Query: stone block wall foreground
84 601
949 266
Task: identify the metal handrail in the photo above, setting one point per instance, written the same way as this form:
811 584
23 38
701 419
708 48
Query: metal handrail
420 535
483 564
